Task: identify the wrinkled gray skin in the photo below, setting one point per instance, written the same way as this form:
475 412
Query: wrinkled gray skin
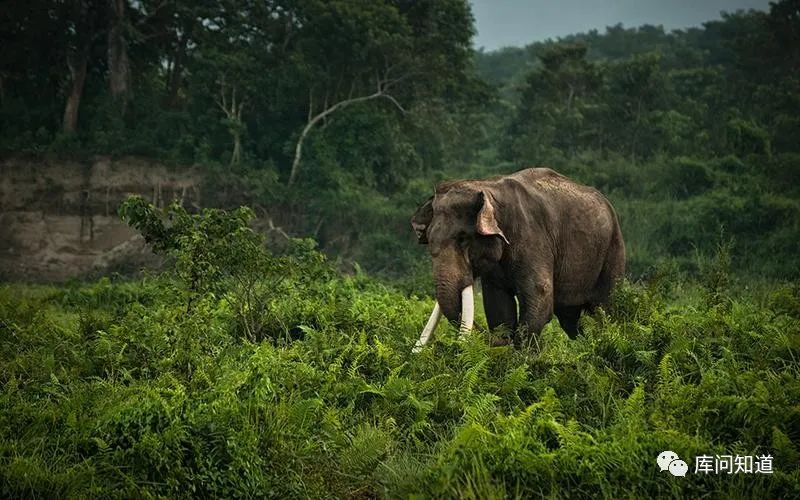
535 236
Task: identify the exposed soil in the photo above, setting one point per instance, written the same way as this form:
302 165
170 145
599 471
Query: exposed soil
58 219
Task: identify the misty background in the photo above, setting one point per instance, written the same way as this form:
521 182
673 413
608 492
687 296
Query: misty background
508 23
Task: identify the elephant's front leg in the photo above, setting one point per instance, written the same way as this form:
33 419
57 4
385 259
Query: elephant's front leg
500 307
535 309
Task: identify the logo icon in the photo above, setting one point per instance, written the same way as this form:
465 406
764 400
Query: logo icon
669 460
678 468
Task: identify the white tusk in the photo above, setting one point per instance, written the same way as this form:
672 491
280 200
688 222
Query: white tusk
430 326
467 311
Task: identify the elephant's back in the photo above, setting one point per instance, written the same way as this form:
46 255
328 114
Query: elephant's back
565 207
561 192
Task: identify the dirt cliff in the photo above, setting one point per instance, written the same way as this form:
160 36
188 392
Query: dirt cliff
58 219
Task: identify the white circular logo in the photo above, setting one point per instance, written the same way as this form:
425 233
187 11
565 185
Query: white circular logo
669 460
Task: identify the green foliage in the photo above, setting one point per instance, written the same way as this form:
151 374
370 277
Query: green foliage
207 247
218 256
716 274
115 389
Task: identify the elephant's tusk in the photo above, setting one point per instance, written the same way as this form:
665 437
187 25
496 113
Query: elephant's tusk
467 310
430 326
467 319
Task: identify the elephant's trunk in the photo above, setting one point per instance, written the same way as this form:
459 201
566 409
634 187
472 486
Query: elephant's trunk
452 274
454 294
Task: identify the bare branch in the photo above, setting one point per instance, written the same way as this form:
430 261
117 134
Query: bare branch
239 111
278 229
394 81
394 101
327 111
222 101
310 103
270 224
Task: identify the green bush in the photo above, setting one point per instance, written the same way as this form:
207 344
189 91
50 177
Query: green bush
685 177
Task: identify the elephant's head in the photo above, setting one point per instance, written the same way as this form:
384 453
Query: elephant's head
461 227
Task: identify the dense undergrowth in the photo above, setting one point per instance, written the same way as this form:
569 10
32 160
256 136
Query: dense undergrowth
301 383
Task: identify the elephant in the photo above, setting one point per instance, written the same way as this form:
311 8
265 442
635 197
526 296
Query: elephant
534 237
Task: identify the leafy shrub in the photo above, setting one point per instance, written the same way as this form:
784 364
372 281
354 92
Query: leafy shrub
217 254
685 177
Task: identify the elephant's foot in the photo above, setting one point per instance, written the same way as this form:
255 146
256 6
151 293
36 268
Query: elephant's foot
501 342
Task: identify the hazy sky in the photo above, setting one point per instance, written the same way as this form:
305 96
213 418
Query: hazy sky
519 22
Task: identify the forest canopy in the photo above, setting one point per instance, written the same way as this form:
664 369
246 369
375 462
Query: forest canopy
339 116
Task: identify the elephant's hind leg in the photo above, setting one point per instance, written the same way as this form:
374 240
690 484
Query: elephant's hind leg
568 317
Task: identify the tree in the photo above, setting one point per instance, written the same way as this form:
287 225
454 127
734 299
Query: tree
382 90
81 29
232 108
636 93
557 101
33 72
356 51
352 52
237 47
119 71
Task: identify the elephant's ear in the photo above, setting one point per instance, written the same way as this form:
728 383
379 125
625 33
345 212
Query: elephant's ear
422 219
487 220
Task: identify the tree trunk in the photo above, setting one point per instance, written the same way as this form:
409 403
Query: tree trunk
77 68
236 156
233 113
77 61
635 135
119 72
569 98
175 75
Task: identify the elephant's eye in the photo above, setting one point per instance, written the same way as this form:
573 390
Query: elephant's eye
462 239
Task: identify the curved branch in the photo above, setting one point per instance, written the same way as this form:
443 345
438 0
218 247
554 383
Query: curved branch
298 150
